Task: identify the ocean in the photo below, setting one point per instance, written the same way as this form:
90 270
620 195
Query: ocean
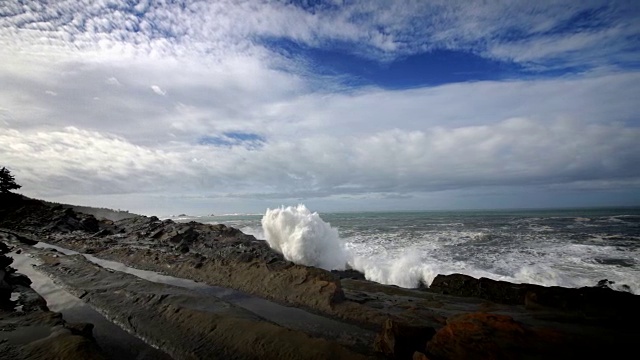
567 247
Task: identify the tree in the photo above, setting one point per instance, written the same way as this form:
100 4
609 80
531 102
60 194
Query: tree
7 181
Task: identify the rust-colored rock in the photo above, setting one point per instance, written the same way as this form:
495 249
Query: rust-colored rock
481 336
493 336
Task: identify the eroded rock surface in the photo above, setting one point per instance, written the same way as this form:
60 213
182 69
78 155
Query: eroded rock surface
184 323
457 308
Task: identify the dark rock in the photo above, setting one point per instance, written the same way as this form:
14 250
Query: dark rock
90 224
82 329
5 261
464 285
399 341
587 304
18 279
30 300
605 283
183 248
349 274
4 248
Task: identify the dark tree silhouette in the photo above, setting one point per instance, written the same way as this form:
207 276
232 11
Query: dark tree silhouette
7 181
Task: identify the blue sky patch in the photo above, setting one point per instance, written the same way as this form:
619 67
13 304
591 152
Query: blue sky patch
427 69
234 138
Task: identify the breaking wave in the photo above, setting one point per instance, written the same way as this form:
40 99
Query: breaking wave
303 237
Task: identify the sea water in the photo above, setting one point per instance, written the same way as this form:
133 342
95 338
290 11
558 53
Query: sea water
568 247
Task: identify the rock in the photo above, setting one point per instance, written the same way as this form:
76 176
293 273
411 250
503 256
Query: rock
464 285
5 261
487 336
399 341
30 300
18 279
349 274
419 356
186 324
63 344
587 304
82 329
4 248
90 224
605 283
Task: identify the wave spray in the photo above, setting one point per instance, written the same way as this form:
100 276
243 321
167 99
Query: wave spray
304 238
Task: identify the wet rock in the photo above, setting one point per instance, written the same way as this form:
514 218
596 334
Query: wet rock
464 285
399 341
30 331
82 329
232 259
5 261
184 323
18 279
587 304
489 336
349 274
605 283
63 344
30 300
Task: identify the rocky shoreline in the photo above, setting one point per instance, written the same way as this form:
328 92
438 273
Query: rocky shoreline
457 317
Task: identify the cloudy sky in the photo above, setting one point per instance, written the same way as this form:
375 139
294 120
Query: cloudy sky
165 107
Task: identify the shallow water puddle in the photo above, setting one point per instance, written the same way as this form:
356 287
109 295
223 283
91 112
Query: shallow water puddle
114 341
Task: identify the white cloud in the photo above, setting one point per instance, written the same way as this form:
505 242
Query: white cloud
156 89
321 140
524 32
113 81
511 152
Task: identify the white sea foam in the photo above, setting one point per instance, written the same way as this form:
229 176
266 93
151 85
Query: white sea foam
304 238
408 259
255 231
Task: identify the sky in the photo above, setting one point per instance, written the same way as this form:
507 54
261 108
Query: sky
200 107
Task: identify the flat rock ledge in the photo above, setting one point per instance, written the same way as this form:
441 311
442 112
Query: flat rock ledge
183 323
28 330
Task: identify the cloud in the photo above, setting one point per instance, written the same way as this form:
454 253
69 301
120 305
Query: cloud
511 152
533 35
156 89
247 120
113 81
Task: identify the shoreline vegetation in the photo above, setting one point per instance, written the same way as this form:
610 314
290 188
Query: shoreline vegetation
457 317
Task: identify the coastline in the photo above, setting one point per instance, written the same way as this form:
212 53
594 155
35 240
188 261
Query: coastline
407 321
